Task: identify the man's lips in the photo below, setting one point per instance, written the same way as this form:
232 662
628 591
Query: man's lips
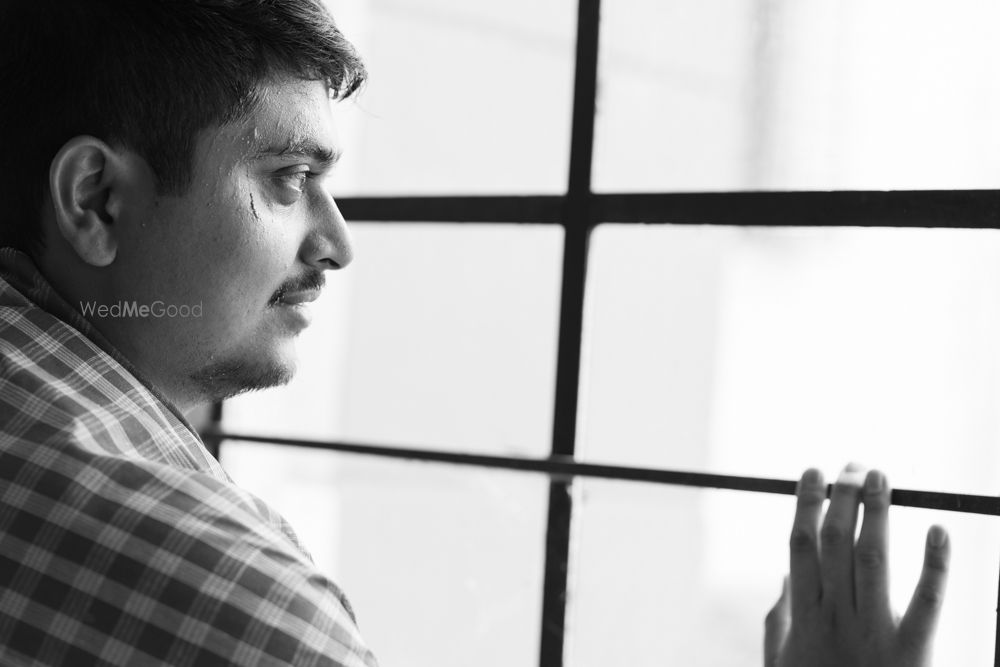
299 291
298 298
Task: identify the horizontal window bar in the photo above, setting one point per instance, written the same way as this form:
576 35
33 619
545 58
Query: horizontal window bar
915 208
974 209
565 467
541 209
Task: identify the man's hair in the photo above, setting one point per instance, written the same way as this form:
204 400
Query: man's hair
146 75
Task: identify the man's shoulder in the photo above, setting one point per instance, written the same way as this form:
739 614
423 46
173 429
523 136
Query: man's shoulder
127 504
134 560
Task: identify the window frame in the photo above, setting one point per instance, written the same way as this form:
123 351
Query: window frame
579 211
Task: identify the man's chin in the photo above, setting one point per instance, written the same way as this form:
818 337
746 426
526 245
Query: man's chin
232 377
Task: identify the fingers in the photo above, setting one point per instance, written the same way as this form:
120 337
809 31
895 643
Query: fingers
804 569
776 627
837 541
871 590
917 625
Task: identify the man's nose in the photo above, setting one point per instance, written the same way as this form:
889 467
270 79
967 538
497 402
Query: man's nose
328 245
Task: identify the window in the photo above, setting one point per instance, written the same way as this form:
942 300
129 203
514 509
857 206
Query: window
576 346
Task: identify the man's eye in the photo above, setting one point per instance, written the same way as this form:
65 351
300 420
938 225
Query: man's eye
295 180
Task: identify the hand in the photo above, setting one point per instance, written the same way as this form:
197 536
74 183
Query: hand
834 607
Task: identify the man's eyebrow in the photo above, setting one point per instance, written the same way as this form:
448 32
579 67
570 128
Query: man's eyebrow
300 148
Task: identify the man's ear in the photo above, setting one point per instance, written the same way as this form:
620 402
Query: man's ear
84 179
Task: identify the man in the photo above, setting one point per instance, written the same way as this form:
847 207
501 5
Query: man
165 222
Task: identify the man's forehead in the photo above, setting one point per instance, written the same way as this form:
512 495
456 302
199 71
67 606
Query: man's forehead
291 118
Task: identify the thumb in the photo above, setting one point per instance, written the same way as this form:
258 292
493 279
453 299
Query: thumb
776 627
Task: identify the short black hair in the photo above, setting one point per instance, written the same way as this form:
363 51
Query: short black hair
146 75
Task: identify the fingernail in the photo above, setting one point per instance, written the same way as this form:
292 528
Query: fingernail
937 537
874 482
853 466
852 475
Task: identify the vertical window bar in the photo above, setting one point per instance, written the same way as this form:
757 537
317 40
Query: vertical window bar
578 220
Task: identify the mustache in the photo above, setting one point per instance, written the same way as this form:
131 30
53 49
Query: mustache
312 280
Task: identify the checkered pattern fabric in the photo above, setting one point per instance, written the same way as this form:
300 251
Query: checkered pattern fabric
122 541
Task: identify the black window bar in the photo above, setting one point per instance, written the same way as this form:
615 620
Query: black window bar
579 211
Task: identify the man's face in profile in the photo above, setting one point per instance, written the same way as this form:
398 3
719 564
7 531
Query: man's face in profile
246 245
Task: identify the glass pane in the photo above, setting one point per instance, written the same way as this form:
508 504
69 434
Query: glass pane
443 564
742 94
464 96
438 336
763 351
676 576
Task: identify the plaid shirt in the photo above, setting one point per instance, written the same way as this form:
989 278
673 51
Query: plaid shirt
122 541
